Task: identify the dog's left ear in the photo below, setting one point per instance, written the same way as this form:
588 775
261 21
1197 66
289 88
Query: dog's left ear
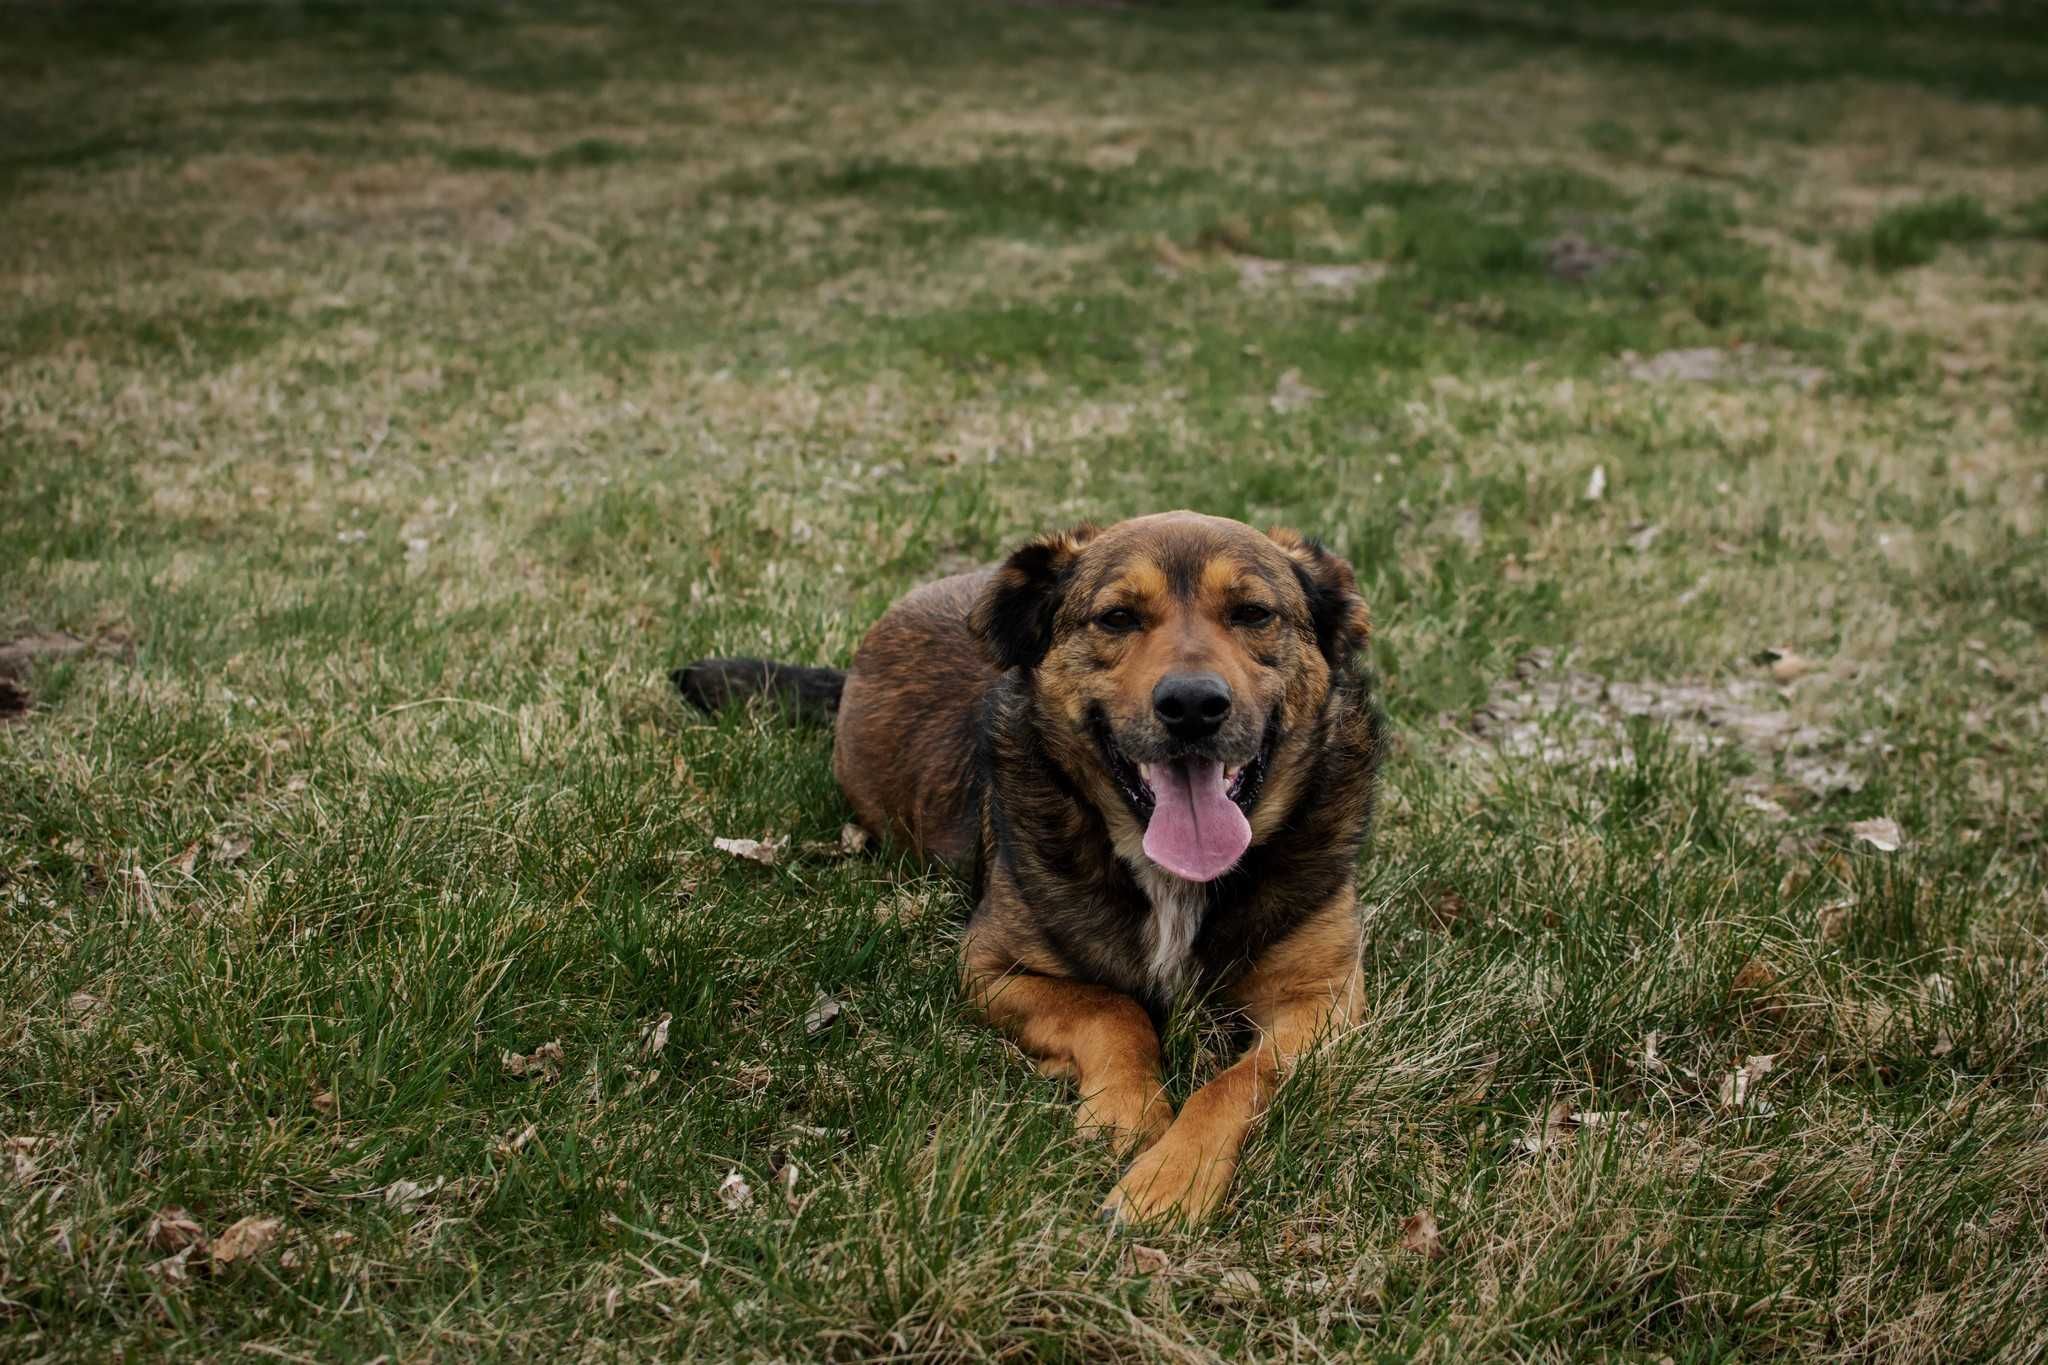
1342 625
1014 616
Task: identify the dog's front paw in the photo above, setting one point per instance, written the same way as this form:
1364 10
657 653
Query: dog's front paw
1179 1178
1132 1116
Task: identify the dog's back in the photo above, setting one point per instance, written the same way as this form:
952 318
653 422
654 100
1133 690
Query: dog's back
905 743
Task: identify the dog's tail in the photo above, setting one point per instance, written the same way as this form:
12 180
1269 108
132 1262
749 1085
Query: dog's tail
710 685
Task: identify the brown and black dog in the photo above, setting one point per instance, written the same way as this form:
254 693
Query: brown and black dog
1153 744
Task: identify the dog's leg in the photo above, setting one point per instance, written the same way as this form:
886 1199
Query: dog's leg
1103 1039
1307 988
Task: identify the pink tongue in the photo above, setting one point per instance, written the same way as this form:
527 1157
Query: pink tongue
1197 831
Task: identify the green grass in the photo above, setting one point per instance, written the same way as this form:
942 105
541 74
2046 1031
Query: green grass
390 395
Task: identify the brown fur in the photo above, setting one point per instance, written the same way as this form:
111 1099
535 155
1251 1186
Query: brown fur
985 716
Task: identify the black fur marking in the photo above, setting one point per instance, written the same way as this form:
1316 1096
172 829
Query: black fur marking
1329 603
1015 620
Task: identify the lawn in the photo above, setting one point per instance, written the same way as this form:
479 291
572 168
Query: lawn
391 395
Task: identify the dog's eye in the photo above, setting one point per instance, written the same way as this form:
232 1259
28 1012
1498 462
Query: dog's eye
1118 619
1250 614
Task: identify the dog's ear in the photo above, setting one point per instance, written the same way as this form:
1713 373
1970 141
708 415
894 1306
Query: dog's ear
1015 613
1342 625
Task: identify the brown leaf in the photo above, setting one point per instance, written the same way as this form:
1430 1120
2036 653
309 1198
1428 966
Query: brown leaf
823 1014
1788 666
1546 1135
324 1102
1756 974
1149 1260
1881 833
544 1062
231 848
1739 1088
185 860
1596 483
654 1037
1420 1235
173 1229
248 1238
752 1077
753 850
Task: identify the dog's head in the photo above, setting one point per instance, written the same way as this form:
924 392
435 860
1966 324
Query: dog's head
1178 662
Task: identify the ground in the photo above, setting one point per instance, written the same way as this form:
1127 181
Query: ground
392 396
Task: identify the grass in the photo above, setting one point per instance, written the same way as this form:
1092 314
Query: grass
392 395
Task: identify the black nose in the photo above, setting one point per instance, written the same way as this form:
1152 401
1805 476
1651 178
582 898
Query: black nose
1191 705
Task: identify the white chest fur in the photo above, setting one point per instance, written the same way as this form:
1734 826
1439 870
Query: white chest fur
1177 908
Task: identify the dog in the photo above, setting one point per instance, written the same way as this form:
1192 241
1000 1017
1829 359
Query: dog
1155 746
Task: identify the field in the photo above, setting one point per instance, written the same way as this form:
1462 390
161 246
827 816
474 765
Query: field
390 396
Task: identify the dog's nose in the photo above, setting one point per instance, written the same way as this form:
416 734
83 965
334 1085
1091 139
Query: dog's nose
1191 705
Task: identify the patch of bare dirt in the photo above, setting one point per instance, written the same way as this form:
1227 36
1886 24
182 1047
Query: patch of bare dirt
1722 365
1567 717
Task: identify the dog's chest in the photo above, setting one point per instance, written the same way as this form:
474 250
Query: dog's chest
1176 914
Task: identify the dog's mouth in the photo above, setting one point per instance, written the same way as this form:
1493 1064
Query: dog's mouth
1194 808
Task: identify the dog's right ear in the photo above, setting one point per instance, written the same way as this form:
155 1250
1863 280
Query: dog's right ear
1015 614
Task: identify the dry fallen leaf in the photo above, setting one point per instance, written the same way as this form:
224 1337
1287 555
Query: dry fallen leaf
184 861
1788 666
1652 1063
1549 1132
173 1269
231 848
1292 393
21 1157
753 850
173 1229
1419 1234
752 1077
245 1239
544 1061
785 1180
1881 833
823 1014
516 1141
406 1195
1149 1260
611 1301
1739 1087
1596 483
324 1102
1238 1283
851 843
654 1037
734 1191
81 1006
